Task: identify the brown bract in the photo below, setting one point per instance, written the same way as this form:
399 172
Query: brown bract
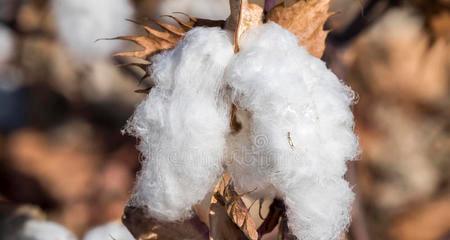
244 16
306 20
229 217
160 37
155 40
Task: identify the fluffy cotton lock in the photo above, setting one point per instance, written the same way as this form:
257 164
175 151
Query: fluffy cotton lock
81 22
298 132
182 125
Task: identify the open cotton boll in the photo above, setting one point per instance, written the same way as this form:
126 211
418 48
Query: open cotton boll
6 44
81 22
301 130
182 125
45 230
114 230
208 9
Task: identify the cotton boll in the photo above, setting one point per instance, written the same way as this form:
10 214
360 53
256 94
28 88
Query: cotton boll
81 22
6 44
114 230
301 130
208 9
182 125
44 230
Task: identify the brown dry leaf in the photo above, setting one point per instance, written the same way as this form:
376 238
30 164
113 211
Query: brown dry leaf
243 16
144 228
154 41
221 226
229 216
159 40
276 212
306 20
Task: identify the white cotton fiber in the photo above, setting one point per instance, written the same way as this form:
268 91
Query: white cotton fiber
81 22
300 131
208 9
114 230
182 125
45 230
6 44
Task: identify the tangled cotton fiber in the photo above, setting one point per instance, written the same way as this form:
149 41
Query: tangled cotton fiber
300 132
81 22
182 125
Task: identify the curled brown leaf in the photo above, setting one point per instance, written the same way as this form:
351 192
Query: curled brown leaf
228 212
155 40
243 16
305 19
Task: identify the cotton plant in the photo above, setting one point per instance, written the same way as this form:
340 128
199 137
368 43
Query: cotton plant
81 22
296 127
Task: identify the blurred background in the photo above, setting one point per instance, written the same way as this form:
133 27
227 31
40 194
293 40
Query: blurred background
64 100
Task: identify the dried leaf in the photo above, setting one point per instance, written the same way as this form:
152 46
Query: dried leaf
160 35
227 207
306 20
185 25
155 40
144 228
276 211
178 31
284 232
149 44
221 227
243 16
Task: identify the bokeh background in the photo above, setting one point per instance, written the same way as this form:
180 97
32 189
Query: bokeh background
64 100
